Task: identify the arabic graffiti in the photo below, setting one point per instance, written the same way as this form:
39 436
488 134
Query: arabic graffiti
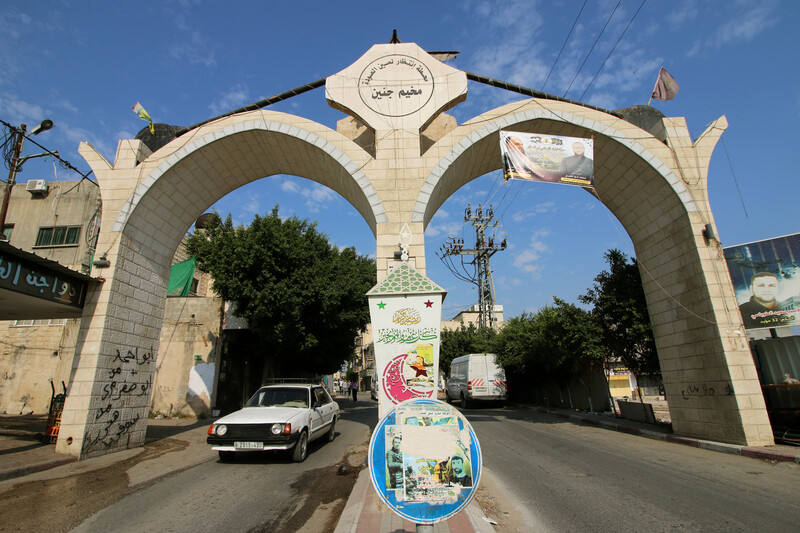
406 335
705 390
118 396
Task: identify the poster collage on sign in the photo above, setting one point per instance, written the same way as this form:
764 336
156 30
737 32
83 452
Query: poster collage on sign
427 454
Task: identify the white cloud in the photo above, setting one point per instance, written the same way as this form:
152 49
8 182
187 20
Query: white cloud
316 195
537 209
20 111
439 230
687 10
66 105
745 22
235 98
290 186
528 260
192 46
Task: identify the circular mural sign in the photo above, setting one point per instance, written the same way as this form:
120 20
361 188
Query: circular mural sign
396 85
410 375
425 461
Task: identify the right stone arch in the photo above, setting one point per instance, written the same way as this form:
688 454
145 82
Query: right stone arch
656 186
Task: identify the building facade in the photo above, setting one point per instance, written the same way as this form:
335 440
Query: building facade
59 220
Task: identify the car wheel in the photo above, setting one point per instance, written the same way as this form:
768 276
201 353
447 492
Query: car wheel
447 397
226 457
464 403
331 432
300 450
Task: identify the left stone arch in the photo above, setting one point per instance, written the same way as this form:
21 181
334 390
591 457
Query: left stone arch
150 200
203 154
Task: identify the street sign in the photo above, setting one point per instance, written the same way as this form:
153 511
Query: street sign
425 460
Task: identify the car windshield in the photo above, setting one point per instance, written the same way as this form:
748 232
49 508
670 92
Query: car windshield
280 397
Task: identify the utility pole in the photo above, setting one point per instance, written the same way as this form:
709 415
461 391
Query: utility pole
484 249
15 164
12 174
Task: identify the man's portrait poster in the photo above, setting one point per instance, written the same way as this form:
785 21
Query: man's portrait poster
766 278
547 158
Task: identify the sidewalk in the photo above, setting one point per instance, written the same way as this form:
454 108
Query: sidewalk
25 458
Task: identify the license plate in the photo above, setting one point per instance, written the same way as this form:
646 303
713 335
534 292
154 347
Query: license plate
248 445
479 389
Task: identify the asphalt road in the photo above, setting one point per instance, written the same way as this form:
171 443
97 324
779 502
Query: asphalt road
548 474
259 492
541 473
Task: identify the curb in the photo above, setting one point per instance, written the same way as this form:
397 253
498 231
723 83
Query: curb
28 470
746 451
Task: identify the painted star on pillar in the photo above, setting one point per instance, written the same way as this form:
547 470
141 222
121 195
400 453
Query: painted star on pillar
428 303
381 305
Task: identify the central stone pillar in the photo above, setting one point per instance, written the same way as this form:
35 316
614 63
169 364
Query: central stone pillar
397 90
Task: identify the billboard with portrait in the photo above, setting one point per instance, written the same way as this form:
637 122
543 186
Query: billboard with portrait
547 158
766 278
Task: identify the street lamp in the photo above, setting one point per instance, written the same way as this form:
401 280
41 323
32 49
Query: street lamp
15 166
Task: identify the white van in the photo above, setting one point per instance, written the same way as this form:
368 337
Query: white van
475 377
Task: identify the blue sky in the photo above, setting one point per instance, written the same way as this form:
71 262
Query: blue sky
83 64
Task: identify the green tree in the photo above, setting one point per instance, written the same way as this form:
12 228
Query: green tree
463 341
516 346
620 312
557 343
304 298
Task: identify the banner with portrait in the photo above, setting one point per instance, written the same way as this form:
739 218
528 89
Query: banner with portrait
766 278
547 158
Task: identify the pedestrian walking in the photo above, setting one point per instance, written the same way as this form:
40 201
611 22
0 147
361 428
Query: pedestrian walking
354 389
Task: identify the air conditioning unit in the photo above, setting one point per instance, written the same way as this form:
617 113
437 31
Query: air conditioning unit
37 186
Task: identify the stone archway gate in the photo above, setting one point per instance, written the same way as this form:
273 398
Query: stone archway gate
397 161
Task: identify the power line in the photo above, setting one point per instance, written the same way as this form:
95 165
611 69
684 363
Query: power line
725 148
613 48
565 44
592 49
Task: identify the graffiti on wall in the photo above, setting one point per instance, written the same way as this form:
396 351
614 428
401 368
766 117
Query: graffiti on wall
705 390
121 391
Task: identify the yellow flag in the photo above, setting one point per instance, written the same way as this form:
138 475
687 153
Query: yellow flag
139 110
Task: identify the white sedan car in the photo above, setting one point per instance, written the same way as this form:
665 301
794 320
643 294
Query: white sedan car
277 417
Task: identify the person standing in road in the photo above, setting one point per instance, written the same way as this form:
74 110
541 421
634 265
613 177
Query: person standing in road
354 389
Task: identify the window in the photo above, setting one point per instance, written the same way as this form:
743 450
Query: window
39 322
7 229
58 236
193 288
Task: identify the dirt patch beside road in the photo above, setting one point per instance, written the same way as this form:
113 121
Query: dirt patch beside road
58 505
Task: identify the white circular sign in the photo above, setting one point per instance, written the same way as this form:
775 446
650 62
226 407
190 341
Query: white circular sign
396 85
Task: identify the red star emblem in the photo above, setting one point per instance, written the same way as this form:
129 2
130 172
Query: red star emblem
428 303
